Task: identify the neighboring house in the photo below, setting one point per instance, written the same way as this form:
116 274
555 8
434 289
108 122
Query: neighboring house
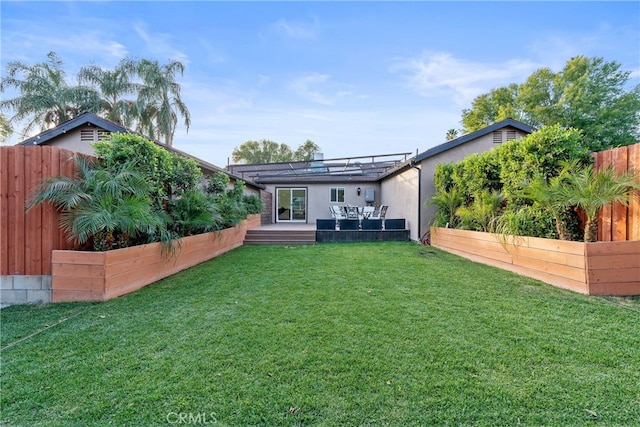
303 191
80 133
410 186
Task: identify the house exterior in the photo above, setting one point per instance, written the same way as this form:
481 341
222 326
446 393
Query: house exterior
410 186
80 133
303 191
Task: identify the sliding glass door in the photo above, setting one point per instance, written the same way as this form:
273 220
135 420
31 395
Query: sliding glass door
291 205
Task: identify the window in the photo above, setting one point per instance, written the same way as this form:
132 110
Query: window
337 195
511 135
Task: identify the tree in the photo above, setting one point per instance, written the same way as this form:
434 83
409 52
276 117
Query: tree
5 128
159 102
486 109
45 100
451 134
265 151
113 86
592 190
306 151
587 94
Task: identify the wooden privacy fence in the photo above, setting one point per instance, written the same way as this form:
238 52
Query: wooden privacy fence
27 238
619 222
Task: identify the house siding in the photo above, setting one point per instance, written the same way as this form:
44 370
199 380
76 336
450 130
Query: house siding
401 193
318 197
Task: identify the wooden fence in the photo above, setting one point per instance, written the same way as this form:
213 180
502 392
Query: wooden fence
619 222
27 238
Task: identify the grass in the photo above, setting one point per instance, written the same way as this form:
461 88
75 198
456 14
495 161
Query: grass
328 335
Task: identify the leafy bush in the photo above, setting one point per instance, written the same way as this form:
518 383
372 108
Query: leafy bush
140 193
533 162
169 173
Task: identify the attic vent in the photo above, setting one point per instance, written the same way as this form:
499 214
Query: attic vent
103 135
87 135
93 135
497 137
511 135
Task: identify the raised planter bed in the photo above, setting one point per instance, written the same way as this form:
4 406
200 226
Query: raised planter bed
600 268
99 276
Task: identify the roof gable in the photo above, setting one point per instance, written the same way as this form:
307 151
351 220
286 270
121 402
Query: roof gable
69 125
472 136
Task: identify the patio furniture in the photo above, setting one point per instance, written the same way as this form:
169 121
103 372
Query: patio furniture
325 224
379 212
394 224
352 212
337 212
371 224
367 211
349 224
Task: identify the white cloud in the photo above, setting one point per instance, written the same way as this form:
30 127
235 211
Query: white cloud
160 45
320 89
295 30
434 74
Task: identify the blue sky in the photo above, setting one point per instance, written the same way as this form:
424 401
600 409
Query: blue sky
357 78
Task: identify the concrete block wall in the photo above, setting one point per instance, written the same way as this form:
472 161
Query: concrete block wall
25 290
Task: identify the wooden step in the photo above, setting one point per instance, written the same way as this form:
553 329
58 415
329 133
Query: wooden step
258 236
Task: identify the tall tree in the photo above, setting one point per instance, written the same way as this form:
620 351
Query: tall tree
263 151
114 85
486 109
306 151
451 134
587 94
159 102
45 99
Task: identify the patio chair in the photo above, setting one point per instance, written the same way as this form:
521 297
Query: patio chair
367 211
337 212
352 212
379 212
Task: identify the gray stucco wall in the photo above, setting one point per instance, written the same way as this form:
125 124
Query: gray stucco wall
400 193
319 196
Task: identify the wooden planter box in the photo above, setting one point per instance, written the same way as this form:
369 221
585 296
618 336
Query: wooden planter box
99 276
600 268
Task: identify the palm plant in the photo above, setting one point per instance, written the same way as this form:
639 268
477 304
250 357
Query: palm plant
159 101
194 213
592 190
483 213
113 86
447 203
45 99
112 208
549 195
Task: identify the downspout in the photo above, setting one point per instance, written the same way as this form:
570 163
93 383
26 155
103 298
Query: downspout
413 165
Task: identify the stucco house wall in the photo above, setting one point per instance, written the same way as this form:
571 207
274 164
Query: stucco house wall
319 196
400 191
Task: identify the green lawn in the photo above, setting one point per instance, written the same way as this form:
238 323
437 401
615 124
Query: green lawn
333 335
